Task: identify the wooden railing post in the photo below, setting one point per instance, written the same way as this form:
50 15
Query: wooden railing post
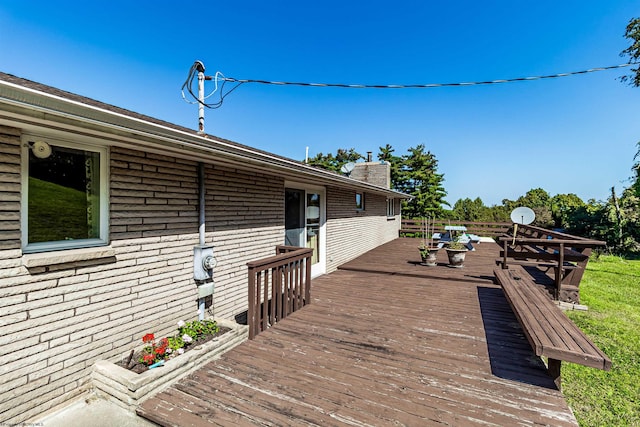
505 246
307 281
275 287
251 313
559 271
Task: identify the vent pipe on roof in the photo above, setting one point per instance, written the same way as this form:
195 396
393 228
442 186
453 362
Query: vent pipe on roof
369 156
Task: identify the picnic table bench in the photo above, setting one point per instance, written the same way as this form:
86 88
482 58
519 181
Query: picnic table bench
416 227
549 331
564 254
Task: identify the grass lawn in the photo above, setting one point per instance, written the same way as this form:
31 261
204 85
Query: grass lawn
56 212
611 289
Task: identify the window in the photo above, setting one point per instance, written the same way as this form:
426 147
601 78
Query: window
360 201
391 208
65 204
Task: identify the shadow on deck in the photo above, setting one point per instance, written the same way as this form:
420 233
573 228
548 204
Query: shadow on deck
385 341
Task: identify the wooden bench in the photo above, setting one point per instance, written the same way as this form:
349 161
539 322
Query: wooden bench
565 254
549 331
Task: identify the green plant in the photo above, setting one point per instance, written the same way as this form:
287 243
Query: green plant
188 332
175 343
456 244
197 328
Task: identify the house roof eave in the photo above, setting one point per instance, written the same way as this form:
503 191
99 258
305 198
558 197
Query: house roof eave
35 107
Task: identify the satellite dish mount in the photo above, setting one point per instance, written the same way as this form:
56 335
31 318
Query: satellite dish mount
521 215
347 168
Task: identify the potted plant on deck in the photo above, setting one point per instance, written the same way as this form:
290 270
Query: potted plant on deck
428 254
456 252
428 251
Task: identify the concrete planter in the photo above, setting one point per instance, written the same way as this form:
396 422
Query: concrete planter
456 257
429 256
129 389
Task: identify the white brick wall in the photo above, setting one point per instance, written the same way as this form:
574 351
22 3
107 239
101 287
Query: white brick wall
247 212
56 320
350 233
54 324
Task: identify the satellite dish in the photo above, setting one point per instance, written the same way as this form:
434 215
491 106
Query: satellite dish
347 168
523 215
41 149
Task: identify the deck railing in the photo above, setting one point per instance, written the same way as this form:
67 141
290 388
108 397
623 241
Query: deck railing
567 254
278 286
415 227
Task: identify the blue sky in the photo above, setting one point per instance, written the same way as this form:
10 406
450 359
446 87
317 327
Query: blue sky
569 135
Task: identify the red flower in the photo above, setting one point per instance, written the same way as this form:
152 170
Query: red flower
164 342
149 358
148 338
160 350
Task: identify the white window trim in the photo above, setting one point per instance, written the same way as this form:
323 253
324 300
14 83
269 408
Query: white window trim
391 208
90 144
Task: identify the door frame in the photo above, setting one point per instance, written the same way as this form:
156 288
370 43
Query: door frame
320 267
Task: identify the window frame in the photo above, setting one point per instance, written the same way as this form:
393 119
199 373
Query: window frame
391 208
87 144
361 206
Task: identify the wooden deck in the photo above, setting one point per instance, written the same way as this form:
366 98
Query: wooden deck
385 341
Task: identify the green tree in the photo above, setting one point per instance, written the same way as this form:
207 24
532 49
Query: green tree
500 214
636 172
630 206
539 201
624 214
590 220
562 206
471 210
334 163
424 183
633 51
398 177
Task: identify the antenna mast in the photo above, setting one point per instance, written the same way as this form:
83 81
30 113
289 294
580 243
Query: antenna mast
200 67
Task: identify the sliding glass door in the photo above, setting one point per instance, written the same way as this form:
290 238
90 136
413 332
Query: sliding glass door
304 223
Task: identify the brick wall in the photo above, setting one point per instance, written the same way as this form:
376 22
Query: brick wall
245 213
152 195
350 233
55 322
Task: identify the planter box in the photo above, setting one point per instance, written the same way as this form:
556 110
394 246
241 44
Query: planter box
129 389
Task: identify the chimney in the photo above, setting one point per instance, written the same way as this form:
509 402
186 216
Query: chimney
377 173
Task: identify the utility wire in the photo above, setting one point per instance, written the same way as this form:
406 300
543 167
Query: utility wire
222 93
423 86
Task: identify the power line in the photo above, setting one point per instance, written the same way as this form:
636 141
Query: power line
222 93
422 86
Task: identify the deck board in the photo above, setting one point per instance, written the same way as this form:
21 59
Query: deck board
385 341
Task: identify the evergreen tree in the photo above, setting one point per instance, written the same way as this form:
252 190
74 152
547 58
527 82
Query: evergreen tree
396 163
424 183
334 163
